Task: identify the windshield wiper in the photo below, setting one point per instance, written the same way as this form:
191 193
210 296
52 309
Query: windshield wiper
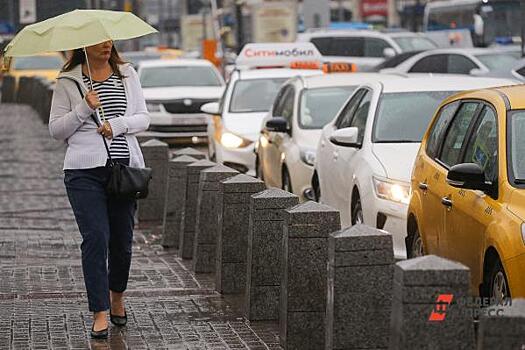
520 181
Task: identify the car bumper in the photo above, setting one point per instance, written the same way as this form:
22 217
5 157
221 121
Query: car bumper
515 270
391 217
240 159
178 125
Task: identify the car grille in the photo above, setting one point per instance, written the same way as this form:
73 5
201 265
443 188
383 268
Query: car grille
187 105
178 128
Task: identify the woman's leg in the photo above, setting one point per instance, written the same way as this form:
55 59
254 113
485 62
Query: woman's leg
121 222
85 189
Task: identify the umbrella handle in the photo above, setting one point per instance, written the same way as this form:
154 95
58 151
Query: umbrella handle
91 83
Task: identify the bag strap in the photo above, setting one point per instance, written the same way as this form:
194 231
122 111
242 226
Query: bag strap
97 123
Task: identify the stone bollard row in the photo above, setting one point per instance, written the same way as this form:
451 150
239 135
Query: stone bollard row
151 208
34 91
207 220
503 327
188 151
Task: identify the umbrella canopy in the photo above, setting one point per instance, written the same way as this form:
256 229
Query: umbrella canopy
77 29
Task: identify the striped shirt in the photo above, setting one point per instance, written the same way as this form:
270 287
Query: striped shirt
113 100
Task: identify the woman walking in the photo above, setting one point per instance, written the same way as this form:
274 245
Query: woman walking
105 222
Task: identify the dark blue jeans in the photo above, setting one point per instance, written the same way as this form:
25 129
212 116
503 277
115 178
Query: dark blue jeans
106 225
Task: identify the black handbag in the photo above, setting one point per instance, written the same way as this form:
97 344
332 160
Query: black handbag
124 181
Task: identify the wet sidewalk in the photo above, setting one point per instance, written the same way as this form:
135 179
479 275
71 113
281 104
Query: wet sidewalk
42 297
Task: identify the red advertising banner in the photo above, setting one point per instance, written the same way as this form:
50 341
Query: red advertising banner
374 8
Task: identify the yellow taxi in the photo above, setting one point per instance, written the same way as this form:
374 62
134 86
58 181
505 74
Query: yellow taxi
468 189
45 65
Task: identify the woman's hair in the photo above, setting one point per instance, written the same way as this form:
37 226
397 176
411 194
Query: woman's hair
79 57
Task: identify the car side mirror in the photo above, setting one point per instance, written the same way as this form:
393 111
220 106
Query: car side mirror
476 72
211 108
277 124
469 176
389 52
346 137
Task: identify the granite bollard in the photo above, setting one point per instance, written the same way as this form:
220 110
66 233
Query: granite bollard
189 211
503 328
304 277
417 322
207 221
265 244
175 198
360 277
155 154
189 151
232 239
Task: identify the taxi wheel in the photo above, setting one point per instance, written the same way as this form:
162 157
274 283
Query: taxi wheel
498 284
316 188
416 246
357 212
286 181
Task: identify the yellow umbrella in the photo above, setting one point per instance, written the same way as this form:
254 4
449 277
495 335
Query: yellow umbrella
76 29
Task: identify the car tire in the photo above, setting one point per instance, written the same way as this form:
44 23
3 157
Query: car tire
211 152
415 248
357 212
316 188
258 169
286 181
498 286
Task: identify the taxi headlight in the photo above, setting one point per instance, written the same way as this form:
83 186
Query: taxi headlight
230 140
394 191
153 107
308 157
523 232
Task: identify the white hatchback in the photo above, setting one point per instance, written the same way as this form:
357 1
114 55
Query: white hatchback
366 154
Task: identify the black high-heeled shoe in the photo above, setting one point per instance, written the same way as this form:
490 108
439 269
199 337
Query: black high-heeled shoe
102 334
120 321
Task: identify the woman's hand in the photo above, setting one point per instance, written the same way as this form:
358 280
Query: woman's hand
92 99
105 130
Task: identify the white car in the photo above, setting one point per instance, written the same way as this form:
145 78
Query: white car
366 154
473 61
237 119
286 147
174 91
365 48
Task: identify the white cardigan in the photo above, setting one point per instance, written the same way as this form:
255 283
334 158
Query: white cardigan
70 120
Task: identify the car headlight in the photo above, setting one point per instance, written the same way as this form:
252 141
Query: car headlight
392 190
523 232
308 157
153 107
230 140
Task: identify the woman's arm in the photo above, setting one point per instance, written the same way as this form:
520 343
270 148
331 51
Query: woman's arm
139 120
63 122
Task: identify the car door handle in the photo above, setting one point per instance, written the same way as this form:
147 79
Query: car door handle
423 186
447 202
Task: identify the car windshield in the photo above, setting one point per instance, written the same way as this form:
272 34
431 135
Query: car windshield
320 105
414 43
151 77
517 145
38 63
404 117
498 61
254 95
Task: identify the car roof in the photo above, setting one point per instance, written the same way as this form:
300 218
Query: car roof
344 79
432 82
356 32
175 62
276 73
514 95
464 50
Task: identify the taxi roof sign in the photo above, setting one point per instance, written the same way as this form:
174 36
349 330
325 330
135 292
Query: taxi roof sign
277 54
